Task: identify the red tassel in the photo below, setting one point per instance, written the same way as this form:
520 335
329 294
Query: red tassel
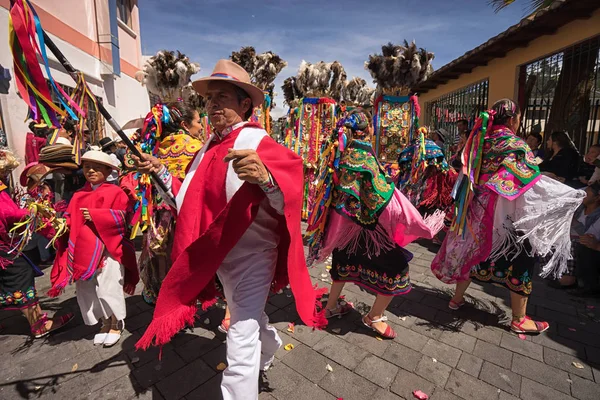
162 329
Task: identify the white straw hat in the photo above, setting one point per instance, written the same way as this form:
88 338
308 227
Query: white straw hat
99 157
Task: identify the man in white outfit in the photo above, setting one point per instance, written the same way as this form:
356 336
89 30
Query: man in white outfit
239 217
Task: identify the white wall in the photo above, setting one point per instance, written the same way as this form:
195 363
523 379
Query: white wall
123 96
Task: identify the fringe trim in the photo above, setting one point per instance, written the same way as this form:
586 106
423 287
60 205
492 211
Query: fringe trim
161 330
435 221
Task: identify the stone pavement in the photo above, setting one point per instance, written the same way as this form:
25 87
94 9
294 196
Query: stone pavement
469 354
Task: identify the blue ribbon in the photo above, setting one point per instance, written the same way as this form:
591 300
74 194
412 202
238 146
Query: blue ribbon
40 34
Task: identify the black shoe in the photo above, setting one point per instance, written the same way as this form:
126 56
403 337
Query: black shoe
263 383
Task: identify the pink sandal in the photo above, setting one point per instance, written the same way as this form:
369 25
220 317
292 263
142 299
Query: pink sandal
540 327
38 329
454 305
389 333
224 327
342 309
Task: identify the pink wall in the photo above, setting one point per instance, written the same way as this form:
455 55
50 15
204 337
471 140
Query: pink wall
81 15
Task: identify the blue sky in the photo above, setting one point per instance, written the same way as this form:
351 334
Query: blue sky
328 30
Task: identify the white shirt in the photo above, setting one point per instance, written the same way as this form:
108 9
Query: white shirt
262 234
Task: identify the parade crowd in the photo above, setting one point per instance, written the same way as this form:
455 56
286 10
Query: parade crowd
226 221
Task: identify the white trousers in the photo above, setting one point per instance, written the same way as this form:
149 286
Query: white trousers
251 341
102 296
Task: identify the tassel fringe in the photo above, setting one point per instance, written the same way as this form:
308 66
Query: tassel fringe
162 329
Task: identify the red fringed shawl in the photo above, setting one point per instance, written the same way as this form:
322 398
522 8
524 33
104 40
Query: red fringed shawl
80 256
209 226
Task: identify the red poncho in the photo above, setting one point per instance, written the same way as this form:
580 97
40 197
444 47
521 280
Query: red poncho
209 226
79 257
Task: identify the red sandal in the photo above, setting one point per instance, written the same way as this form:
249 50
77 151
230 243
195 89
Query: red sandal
389 333
224 327
540 327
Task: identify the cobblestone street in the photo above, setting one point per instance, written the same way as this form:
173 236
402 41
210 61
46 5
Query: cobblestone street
469 354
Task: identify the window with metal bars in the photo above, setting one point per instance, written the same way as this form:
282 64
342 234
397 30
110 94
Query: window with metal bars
464 103
561 91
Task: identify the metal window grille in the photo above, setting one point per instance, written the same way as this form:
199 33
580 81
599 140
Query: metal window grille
465 103
562 92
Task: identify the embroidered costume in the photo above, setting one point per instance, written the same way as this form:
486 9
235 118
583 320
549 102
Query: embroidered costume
17 273
505 212
175 150
425 177
363 220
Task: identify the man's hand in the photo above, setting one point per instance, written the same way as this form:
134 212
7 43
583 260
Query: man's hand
86 214
248 166
590 241
147 164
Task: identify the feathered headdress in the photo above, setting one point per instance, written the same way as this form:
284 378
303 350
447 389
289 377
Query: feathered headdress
321 79
167 73
399 68
263 68
356 92
291 91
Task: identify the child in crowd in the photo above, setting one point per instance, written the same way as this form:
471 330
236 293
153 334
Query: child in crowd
99 257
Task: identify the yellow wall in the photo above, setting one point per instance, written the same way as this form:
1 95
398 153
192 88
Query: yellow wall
503 72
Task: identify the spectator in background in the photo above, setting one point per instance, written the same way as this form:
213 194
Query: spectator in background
590 171
586 223
463 127
109 147
534 141
439 137
35 140
562 163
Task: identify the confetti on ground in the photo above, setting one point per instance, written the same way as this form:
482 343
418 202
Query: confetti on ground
573 329
324 280
591 307
379 338
324 275
578 365
135 360
288 347
402 318
221 366
522 336
434 360
329 368
75 366
420 395
569 380
158 367
328 267
207 321
291 327
37 387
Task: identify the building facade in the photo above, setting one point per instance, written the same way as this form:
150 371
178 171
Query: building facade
101 38
549 62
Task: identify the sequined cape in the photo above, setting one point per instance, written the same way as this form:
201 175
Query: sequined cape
362 190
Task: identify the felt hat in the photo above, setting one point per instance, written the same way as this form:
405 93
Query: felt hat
442 133
98 157
228 71
33 174
105 142
63 140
